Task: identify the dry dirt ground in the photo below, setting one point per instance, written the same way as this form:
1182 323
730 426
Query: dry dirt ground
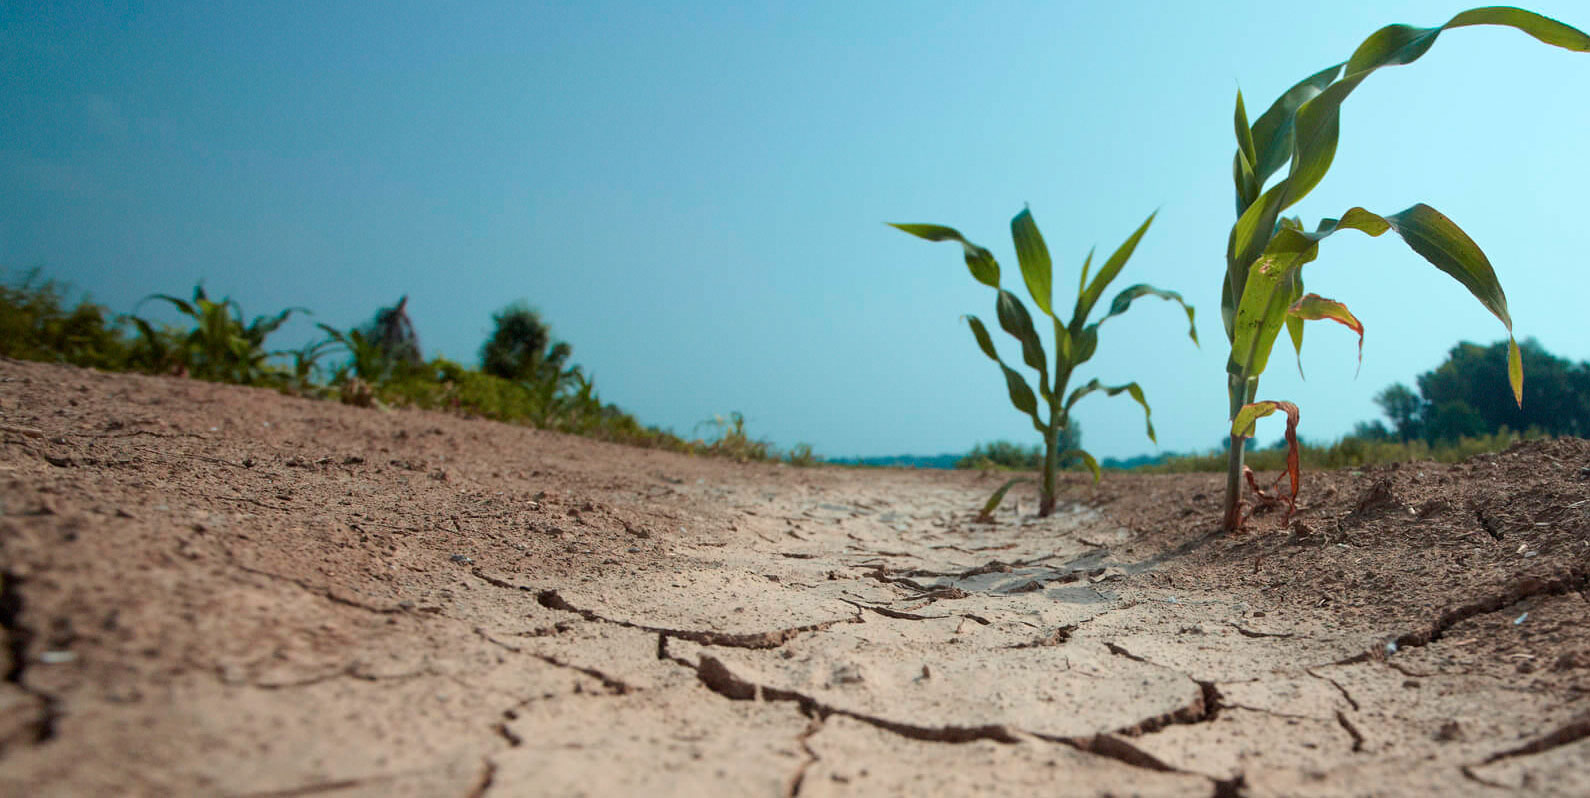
212 590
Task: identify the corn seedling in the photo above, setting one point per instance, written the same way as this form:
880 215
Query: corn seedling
1263 289
1075 340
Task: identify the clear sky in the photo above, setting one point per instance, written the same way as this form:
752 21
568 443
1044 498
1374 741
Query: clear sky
694 194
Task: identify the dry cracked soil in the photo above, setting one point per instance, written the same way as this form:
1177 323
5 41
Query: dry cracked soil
215 590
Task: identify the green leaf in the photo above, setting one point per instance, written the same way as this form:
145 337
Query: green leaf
1036 267
986 515
1014 319
181 305
1087 459
1082 284
1123 301
1021 395
1243 164
1131 388
1272 131
980 261
1318 121
1441 242
1087 342
1272 286
1244 134
1112 267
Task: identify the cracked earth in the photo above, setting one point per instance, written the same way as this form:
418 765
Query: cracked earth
212 590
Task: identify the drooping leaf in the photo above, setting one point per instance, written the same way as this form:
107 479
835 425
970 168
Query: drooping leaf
1021 395
1033 254
1014 319
1123 301
1242 427
1112 267
1087 459
1131 388
980 261
179 304
1318 121
1313 307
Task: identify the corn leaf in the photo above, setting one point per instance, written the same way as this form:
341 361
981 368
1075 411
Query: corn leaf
1087 459
1082 284
1272 131
980 261
986 515
1243 164
1318 121
1242 427
1036 267
1313 307
1441 242
1123 301
1021 395
1014 319
181 305
1130 388
1112 267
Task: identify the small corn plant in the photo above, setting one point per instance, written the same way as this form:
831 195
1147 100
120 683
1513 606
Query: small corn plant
1074 341
1263 289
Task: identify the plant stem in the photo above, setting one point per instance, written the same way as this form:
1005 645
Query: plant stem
1239 392
1051 461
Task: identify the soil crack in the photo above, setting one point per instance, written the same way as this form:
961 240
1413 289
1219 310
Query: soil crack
1575 579
1352 731
552 600
1338 685
1571 732
813 726
18 637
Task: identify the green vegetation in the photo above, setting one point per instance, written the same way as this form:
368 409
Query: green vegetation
1074 341
1462 408
381 364
1349 452
1015 457
1263 288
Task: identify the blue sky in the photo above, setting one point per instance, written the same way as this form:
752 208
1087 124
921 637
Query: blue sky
694 194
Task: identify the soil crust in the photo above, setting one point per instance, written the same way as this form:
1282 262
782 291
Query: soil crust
214 590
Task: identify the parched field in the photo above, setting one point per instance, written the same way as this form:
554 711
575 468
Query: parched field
212 590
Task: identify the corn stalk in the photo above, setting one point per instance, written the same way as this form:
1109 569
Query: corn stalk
1263 289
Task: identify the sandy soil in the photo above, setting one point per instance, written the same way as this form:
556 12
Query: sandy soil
211 590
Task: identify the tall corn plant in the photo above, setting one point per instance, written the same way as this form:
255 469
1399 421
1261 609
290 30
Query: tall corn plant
1075 339
1263 289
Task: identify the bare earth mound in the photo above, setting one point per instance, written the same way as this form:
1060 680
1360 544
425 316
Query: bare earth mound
211 590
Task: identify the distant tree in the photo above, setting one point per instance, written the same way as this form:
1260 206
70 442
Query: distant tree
1556 392
521 347
1370 431
1467 395
1404 408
